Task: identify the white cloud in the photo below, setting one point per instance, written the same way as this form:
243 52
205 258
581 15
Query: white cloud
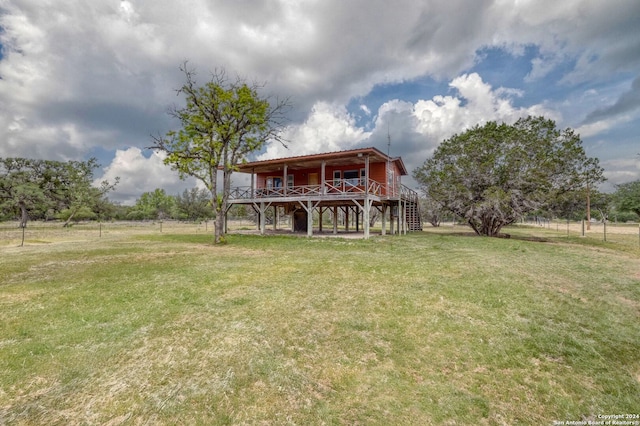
618 171
139 174
328 128
416 128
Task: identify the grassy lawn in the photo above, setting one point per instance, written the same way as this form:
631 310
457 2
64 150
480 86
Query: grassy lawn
435 327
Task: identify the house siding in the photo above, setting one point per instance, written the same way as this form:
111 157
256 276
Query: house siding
377 172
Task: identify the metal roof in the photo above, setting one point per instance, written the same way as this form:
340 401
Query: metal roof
336 158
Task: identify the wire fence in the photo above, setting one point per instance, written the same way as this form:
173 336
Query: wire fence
42 232
627 234
11 233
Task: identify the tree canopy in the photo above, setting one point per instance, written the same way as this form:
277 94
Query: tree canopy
492 175
627 197
37 187
221 123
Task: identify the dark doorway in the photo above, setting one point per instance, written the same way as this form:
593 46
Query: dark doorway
300 221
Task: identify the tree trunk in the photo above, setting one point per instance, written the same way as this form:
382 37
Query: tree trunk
219 224
23 215
68 221
222 204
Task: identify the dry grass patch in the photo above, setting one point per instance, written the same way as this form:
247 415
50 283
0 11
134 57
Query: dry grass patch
419 329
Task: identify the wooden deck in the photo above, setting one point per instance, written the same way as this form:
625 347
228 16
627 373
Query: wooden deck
341 189
400 203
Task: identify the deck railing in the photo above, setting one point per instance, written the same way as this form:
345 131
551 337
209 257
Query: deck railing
332 188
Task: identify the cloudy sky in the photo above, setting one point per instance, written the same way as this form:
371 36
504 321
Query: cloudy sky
82 79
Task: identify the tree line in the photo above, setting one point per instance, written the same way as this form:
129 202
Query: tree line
46 189
40 199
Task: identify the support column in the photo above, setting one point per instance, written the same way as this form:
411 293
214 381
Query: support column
262 218
346 219
366 209
309 207
365 216
285 182
384 219
391 221
323 177
320 219
366 174
309 219
275 218
335 219
253 187
404 218
261 209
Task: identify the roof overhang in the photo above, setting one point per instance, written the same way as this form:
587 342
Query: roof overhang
337 158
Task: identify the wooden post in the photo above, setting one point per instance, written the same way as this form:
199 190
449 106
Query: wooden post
366 174
335 219
262 218
365 216
309 219
285 182
320 219
323 188
253 175
391 220
384 219
275 218
404 217
346 219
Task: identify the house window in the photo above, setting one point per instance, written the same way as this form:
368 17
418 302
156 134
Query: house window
274 182
336 177
363 177
351 177
289 181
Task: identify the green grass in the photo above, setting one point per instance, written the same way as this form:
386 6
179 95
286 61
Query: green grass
428 328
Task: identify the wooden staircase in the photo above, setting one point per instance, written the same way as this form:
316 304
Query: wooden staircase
412 216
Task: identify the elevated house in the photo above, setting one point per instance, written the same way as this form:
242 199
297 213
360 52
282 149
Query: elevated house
342 184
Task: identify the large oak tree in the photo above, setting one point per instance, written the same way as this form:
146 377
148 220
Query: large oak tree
493 175
221 123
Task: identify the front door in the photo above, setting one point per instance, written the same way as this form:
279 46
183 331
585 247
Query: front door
313 178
